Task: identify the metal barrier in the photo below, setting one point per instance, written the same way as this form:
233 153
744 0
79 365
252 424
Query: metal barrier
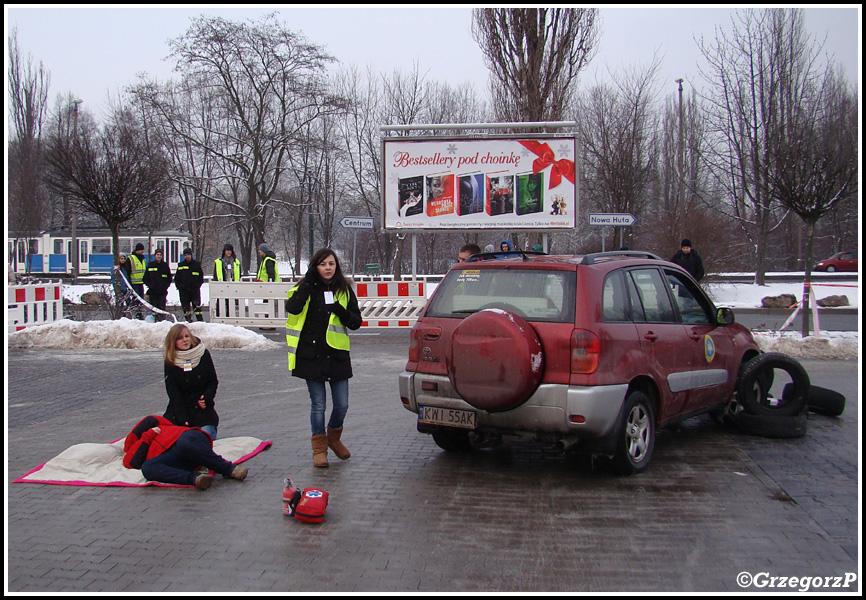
257 304
33 304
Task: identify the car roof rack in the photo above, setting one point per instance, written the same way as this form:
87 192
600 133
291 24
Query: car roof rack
504 254
591 259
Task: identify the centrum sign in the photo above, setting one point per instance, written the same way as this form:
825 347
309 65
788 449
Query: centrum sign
612 219
357 222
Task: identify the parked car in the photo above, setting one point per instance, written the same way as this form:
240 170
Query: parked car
601 349
841 261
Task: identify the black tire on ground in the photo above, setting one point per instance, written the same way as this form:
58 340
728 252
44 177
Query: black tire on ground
773 426
452 440
753 390
635 435
823 401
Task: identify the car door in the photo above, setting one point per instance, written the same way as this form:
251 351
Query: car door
708 345
662 339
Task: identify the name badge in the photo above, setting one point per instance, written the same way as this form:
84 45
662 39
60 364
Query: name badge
187 365
329 297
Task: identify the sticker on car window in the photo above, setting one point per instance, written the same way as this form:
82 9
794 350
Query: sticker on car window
469 275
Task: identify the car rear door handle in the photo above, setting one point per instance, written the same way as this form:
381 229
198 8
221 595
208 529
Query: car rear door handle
651 336
696 337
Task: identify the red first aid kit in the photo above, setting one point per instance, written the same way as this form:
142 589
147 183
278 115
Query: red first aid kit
311 508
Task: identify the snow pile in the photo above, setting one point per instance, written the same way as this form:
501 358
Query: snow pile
831 345
742 295
132 334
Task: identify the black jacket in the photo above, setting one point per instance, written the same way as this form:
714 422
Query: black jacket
691 262
315 359
188 275
184 389
157 278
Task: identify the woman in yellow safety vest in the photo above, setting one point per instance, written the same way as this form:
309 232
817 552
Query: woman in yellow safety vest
322 308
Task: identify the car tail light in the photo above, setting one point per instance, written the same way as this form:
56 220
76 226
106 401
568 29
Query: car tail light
584 351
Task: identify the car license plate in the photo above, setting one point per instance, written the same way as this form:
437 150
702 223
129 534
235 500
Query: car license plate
450 417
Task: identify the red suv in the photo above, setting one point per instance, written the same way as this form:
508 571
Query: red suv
603 349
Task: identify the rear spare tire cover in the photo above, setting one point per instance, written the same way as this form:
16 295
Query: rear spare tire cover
494 360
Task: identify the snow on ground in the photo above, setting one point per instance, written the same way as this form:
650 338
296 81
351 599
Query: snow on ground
138 335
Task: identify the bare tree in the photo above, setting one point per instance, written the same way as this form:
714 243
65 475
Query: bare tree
270 83
113 173
534 56
815 158
756 73
617 133
28 101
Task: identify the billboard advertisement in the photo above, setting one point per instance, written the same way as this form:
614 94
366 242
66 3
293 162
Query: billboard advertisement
526 182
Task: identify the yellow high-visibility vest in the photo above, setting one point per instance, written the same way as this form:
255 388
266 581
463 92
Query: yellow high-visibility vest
263 272
337 336
219 270
139 266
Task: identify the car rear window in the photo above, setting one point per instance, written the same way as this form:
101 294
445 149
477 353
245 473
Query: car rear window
534 294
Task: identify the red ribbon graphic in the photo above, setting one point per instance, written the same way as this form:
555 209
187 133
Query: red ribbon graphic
546 157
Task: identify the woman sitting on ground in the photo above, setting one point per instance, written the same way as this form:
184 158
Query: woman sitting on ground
190 381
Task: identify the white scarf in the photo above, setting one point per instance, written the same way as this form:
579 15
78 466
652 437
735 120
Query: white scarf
193 356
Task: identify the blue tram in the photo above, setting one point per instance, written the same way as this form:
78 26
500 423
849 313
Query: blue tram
50 253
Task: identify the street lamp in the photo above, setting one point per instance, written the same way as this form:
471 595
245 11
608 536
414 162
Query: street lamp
680 194
75 249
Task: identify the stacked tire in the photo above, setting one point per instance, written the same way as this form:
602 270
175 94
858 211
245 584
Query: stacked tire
757 412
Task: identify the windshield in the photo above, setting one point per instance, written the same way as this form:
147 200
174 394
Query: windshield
534 294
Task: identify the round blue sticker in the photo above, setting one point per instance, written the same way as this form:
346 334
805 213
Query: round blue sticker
709 348
314 494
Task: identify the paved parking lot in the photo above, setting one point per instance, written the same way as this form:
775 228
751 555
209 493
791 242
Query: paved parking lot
405 516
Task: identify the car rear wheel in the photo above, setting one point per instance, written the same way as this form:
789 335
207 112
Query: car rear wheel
635 435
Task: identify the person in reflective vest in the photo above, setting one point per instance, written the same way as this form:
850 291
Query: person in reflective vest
227 267
268 266
322 308
135 267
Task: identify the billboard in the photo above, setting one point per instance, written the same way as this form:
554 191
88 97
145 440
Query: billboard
525 182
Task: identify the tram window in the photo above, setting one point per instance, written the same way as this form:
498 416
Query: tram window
100 246
34 246
173 250
58 246
22 252
160 245
83 246
69 251
144 242
125 245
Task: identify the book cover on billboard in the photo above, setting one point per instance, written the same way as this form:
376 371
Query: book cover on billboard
440 195
471 194
530 188
410 192
500 195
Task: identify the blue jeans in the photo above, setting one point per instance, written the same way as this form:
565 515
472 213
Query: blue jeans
340 399
178 464
211 430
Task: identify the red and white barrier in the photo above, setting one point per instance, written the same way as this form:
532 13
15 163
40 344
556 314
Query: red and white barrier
33 304
257 304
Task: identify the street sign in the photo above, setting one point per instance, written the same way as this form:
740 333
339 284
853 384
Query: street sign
612 219
357 222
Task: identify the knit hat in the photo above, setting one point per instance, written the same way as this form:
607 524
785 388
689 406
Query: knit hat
228 247
686 242
139 246
187 251
264 248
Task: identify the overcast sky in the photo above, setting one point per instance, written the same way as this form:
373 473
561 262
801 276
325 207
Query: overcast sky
94 52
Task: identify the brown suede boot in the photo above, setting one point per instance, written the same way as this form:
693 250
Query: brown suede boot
320 450
336 445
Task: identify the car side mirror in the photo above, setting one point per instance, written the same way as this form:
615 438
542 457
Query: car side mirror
724 316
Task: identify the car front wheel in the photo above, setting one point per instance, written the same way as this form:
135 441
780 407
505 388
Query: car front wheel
635 435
